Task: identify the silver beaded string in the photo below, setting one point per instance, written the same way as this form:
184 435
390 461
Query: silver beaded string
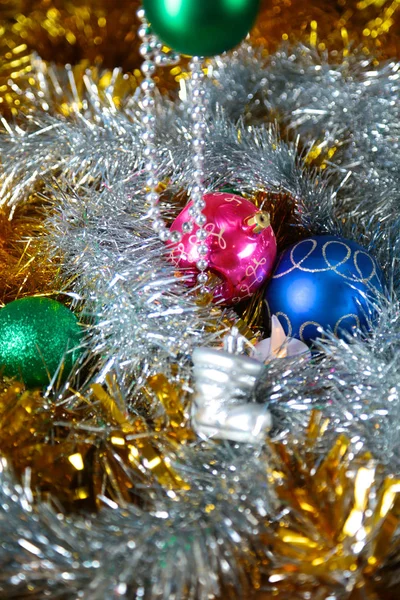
150 49
198 110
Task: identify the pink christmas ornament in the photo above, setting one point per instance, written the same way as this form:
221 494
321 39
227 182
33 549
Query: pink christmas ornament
240 247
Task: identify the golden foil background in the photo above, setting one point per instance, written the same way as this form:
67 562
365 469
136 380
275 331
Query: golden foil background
68 32
25 266
104 32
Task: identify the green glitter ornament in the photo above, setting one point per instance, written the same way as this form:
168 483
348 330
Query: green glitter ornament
36 336
201 27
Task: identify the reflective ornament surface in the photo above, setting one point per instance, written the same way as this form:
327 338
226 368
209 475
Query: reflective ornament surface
37 337
324 282
201 27
240 247
224 383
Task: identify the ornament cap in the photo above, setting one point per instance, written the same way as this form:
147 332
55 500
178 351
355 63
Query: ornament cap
258 222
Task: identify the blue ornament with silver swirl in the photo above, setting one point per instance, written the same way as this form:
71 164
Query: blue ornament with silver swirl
324 282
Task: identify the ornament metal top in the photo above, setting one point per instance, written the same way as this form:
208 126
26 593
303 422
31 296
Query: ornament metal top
201 27
239 246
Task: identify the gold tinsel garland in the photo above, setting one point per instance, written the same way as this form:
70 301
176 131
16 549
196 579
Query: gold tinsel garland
25 267
73 457
342 519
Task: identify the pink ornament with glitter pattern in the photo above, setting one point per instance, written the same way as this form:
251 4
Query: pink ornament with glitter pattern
241 246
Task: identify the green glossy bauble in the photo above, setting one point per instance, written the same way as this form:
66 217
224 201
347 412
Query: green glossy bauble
201 27
36 335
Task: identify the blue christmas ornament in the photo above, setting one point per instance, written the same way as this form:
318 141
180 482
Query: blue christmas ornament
324 281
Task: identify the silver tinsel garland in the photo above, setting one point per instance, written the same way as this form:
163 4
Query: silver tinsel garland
345 104
176 550
145 320
355 384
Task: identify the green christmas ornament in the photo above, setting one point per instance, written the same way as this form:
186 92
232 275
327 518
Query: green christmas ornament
201 27
36 335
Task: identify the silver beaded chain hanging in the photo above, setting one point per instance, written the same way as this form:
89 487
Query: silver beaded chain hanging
198 110
151 50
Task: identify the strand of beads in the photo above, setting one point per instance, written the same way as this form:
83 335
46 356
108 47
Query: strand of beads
197 191
150 49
